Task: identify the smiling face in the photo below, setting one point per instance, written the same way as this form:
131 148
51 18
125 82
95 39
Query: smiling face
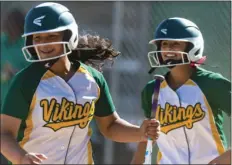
48 50
172 46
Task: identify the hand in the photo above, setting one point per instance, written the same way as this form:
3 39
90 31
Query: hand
150 129
33 158
222 159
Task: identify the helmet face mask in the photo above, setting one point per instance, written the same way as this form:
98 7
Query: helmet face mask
156 60
48 18
36 56
177 29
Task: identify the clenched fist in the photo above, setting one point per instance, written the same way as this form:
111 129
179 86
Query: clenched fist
150 129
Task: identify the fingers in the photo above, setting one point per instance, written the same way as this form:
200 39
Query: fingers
154 125
153 129
150 129
151 122
36 158
41 156
153 134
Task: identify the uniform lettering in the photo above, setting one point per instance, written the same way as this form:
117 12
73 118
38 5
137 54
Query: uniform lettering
66 114
172 117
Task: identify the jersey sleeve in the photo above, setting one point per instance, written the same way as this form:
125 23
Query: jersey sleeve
146 98
104 105
15 104
223 94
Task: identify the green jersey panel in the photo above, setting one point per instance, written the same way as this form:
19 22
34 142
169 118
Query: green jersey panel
19 97
22 89
146 98
217 90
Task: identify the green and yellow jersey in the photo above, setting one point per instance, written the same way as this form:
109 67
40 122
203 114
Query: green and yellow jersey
56 113
191 118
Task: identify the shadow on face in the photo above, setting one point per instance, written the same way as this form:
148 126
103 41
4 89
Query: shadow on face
48 49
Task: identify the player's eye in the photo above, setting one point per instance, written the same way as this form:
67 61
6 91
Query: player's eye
176 44
164 43
36 38
53 37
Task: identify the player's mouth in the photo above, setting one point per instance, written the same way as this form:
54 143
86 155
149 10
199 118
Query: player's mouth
170 55
47 52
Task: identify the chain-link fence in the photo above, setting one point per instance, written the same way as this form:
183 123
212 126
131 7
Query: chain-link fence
130 25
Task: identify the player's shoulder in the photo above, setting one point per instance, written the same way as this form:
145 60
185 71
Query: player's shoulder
90 69
149 86
98 76
29 73
32 69
150 83
208 75
208 80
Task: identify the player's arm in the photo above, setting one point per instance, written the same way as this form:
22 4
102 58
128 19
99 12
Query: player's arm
223 93
13 111
10 123
9 146
115 128
146 96
223 101
109 122
138 157
225 158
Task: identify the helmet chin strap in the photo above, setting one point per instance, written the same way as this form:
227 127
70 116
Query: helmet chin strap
171 61
50 63
201 61
171 67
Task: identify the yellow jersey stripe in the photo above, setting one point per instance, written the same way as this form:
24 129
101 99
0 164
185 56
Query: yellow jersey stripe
29 123
90 152
48 75
159 156
215 133
81 69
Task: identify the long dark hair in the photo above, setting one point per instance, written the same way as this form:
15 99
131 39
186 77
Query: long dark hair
94 51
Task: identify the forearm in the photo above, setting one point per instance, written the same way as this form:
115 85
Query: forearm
122 131
228 156
11 149
139 155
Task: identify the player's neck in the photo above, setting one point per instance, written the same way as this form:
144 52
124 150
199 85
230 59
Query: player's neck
62 67
179 75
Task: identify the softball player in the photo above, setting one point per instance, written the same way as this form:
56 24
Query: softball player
50 103
190 101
